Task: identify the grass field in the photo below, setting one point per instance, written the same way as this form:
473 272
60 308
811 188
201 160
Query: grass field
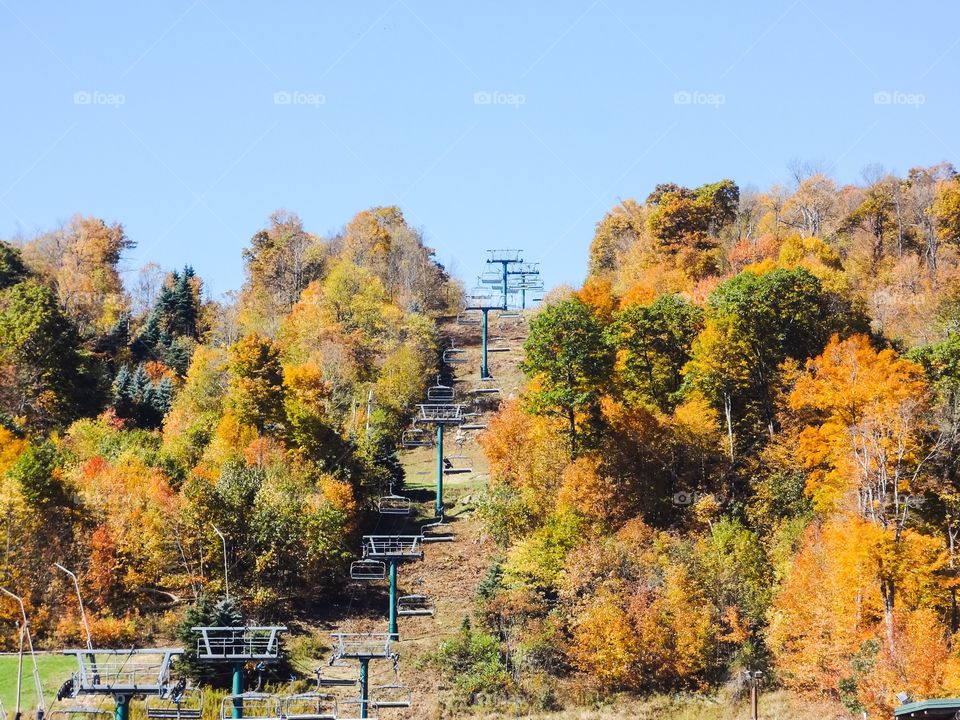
54 669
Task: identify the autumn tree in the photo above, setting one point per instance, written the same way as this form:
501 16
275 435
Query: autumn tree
280 262
868 440
81 260
256 383
755 322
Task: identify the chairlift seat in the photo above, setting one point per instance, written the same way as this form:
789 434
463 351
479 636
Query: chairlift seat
453 358
465 319
474 426
189 706
309 706
432 532
484 391
414 605
416 438
367 570
498 349
457 470
75 712
394 505
391 696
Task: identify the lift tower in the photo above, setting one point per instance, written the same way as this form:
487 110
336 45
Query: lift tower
392 550
441 416
237 646
485 301
363 647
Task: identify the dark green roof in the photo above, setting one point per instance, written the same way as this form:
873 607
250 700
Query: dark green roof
943 708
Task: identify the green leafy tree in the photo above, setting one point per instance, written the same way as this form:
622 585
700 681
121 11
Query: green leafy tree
12 269
568 360
46 380
653 344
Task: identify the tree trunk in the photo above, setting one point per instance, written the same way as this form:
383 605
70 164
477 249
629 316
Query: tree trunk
887 591
727 410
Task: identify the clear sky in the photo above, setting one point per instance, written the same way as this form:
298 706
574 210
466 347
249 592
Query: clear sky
501 124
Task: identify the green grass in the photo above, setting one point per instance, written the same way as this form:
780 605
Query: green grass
54 669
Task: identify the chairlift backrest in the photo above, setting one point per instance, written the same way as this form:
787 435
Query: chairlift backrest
188 705
309 706
254 706
394 505
440 393
367 570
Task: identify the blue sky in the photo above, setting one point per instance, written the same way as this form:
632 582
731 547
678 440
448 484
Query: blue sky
502 124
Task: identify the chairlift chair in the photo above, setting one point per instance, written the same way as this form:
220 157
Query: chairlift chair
392 696
474 426
452 357
414 605
309 706
394 505
432 532
75 712
458 464
416 437
185 704
367 570
440 393
255 705
484 391
491 277
465 318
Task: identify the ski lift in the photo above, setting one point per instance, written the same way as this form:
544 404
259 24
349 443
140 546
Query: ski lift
474 426
452 357
510 256
179 703
309 705
255 706
416 437
414 605
484 390
491 277
507 315
367 570
76 712
391 696
433 532
394 504
457 464
440 393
